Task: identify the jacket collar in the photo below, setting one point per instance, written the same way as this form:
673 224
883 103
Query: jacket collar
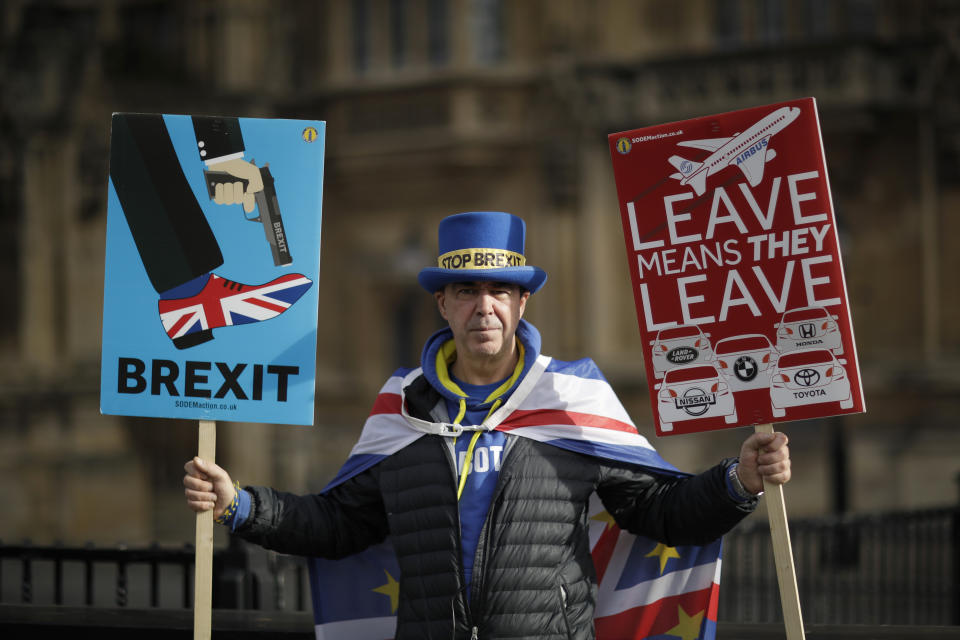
439 352
411 387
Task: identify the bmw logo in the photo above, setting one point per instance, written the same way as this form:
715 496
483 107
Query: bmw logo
745 368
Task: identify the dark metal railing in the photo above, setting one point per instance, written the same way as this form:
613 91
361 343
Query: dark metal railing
883 569
244 577
89 559
896 568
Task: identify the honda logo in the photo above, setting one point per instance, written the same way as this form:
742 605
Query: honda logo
808 330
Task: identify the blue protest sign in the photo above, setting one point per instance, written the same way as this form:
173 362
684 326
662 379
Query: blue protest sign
213 253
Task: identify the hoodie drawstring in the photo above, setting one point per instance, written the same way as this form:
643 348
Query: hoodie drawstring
468 460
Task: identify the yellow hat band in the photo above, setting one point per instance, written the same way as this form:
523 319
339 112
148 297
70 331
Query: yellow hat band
481 259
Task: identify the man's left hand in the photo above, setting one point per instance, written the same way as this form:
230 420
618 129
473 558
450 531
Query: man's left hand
764 456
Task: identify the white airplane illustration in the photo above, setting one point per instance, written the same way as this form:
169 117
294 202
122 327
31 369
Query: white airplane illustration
748 151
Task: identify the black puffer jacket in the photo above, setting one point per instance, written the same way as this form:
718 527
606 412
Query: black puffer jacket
534 576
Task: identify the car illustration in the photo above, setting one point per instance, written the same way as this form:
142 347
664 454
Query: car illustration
808 328
679 346
808 376
745 361
691 392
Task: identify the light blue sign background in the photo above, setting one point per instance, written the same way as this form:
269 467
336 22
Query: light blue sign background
131 319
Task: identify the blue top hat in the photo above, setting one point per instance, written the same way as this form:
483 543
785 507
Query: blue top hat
482 246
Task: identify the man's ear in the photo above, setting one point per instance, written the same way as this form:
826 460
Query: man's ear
524 294
440 296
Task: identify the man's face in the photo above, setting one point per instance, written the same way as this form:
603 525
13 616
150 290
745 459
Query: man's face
483 316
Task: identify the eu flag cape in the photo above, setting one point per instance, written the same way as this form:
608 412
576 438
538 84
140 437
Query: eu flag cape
646 589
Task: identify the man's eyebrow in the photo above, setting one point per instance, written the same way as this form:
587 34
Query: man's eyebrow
490 283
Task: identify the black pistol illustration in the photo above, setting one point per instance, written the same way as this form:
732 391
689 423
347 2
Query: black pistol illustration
268 210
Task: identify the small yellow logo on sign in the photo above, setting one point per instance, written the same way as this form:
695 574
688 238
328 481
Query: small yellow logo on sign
624 145
309 134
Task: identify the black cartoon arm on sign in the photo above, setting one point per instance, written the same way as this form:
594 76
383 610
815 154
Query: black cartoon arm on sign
232 180
220 146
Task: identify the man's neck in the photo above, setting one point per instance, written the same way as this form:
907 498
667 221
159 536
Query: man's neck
480 371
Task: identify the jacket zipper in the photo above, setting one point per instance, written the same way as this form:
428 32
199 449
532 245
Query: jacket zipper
450 453
563 609
479 563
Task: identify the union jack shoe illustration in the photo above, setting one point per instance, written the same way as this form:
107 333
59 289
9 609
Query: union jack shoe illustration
220 303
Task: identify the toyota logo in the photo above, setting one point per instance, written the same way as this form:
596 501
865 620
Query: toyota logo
807 377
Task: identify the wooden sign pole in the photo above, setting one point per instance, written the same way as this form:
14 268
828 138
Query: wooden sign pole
203 560
783 554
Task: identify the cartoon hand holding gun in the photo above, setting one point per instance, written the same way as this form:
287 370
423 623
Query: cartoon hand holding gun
243 189
236 181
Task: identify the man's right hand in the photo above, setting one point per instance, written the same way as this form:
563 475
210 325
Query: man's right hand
207 486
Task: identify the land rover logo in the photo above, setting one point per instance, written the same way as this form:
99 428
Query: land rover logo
682 355
745 368
807 330
695 401
806 377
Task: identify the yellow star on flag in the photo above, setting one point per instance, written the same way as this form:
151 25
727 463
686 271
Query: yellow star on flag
391 589
665 553
688 627
605 517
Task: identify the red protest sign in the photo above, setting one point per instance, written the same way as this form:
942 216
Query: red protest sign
736 272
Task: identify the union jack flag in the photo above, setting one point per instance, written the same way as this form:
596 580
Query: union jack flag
223 303
646 590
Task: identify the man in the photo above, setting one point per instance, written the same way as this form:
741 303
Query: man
485 503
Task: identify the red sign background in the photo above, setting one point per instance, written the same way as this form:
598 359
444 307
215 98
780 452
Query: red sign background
736 272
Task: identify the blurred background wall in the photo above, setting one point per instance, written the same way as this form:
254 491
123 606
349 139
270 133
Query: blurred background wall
440 106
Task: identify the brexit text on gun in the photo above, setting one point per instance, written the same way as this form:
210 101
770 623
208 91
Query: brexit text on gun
268 211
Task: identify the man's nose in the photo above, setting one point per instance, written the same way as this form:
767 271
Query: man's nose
485 302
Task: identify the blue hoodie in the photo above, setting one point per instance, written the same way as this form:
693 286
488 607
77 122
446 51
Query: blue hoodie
480 453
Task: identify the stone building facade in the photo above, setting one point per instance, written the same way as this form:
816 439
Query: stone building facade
440 106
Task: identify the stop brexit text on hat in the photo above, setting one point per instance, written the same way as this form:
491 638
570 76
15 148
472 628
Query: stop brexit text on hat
735 265
482 245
